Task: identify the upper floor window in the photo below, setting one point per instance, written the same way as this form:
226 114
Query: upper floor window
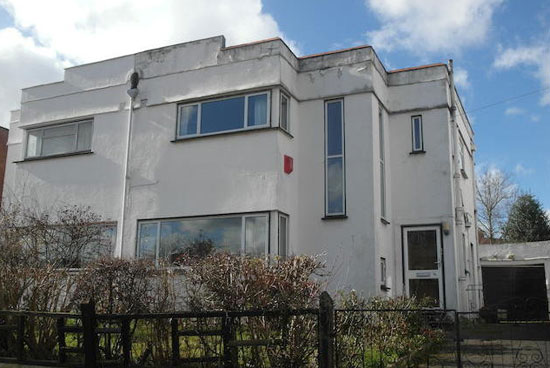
223 115
334 158
381 145
417 134
171 238
284 121
59 139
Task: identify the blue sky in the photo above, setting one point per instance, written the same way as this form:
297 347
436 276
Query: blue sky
501 50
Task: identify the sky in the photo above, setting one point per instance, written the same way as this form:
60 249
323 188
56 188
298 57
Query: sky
500 48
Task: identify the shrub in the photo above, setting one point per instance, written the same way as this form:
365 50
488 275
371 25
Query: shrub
382 331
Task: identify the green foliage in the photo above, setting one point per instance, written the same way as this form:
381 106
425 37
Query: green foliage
527 221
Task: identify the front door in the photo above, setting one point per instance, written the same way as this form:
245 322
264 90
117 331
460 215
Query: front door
422 256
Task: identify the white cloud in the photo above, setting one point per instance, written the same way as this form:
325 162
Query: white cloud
519 169
535 56
431 25
512 110
79 31
461 78
23 63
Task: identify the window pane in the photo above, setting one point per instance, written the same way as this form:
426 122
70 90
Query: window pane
422 250
425 288
33 143
382 189
381 133
200 236
148 240
60 131
84 136
56 145
100 247
255 236
188 120
335 186
257 110
218 116
283 236
334 128
417 126
284 112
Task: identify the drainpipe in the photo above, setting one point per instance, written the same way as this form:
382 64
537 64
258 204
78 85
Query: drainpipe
456 184
132 92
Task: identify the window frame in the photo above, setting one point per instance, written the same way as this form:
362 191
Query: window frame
341 155
416 149
284 252
382 166
287 115
245 127
43 128
243 216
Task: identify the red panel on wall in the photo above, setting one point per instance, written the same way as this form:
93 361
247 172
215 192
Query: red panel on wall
289 164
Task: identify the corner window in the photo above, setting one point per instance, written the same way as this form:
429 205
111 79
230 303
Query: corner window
59 139
223 115
284 121
417 134
169 239
283 235
334 158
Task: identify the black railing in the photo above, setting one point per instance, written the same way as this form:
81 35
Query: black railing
318 337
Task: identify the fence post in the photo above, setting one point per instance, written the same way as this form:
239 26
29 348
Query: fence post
326 331
61 339
175 342
126 342
21 338
229 358
458 352
89 334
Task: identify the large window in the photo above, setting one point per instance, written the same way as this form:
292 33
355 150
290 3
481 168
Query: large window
223 115
417 134
169 239
59 139
382 163
334 158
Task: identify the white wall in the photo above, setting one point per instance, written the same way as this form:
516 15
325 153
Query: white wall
243 172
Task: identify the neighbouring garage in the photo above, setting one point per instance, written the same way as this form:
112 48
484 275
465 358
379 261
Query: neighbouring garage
520 290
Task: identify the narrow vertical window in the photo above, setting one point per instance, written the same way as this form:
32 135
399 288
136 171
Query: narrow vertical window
383 272
382 163
417 134
283 235
334 160
284 113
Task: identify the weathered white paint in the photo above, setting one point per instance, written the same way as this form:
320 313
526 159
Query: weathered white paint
243 172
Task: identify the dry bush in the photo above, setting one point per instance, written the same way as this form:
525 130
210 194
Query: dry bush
383 330
223 281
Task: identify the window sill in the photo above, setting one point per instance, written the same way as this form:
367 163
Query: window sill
223 134
384 221
285 132
70 154
334 217
417 152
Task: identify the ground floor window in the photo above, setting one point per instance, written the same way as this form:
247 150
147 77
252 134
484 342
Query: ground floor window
170 238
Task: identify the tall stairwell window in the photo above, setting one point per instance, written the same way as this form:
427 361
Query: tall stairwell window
383 212
335 185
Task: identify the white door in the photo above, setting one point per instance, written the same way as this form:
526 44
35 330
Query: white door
422 256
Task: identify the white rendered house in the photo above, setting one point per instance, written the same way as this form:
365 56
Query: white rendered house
264 152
